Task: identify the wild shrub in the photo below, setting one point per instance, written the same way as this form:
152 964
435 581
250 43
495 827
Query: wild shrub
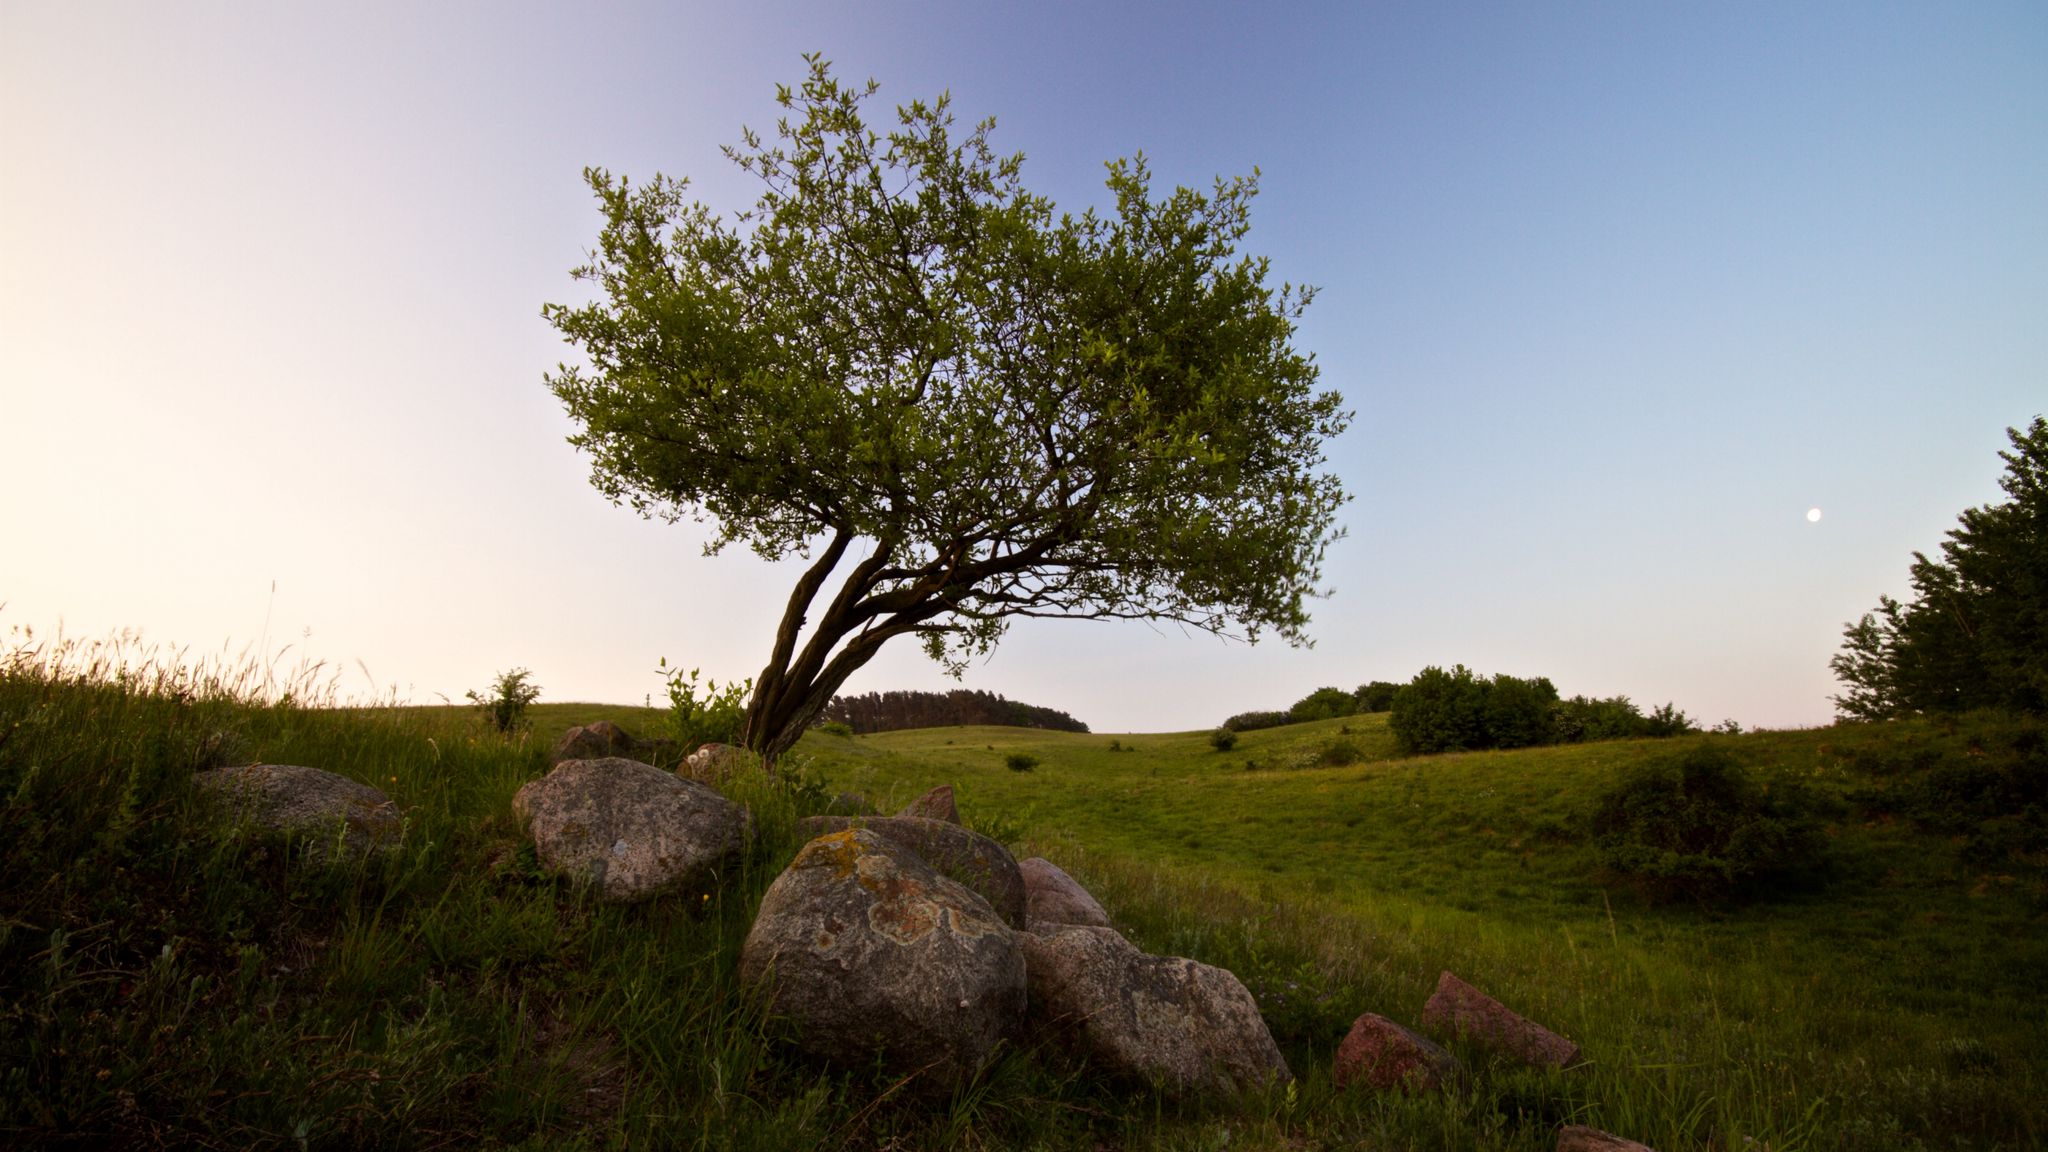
1253 721
707 714
1020 761
836 728
1378 696
1697 826
1516 712
1338 753
1986 783
1440 711
1322 704
1223 739
505 704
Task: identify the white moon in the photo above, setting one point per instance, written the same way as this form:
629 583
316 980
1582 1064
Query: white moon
1813 515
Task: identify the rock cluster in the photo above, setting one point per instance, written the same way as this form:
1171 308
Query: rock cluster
1052 898
962 854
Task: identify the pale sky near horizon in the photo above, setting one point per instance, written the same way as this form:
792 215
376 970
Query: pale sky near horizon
1617 291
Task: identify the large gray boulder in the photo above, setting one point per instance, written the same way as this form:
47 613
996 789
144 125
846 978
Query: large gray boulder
1185 1027
629 828
871 955
337 818
960 854
1053 899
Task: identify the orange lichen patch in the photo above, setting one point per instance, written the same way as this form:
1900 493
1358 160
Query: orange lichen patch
840 851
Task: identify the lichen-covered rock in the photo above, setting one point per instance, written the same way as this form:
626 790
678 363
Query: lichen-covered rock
337 818
1459 1009
936 804
1186 1027
1579 1138
629 828
1380 1054
959 853
1052 898
871 955
593 742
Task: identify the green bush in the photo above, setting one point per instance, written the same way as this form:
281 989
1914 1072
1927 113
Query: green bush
1339 753
1322 704
1020 761
1517 712
505 705
1697 826
1440 711
1377 696
706 715
1223 739
1253 721
836 728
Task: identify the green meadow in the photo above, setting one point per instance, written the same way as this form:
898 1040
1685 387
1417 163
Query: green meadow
166 982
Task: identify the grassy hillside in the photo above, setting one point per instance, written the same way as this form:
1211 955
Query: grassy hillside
163 983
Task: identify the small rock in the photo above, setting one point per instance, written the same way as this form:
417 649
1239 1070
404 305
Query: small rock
1053 898
874 956
714 763
849 804
630 828
1458 1008
1579 1138
336 817
1383 1055
936 804
1188 1028
593 742
961 854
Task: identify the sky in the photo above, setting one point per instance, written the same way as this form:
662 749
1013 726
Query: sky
1617 292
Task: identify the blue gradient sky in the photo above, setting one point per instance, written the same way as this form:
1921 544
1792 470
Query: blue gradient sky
1617 292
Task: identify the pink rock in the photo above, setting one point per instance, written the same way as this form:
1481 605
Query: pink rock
1383 1055
1579 1138
936 804
1460 1009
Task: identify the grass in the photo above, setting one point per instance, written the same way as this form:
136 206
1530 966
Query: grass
166 983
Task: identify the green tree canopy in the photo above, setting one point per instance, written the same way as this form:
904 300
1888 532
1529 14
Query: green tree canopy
902 364
1975 633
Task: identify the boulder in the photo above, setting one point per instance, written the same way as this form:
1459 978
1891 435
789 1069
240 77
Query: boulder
593 742
714 763
1579 1138
871 955
1459 1009
337 818
629 828
1052 898
1381 1054
936 804
1184 1027
961 854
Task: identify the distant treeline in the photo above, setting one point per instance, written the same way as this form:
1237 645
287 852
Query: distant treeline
891 711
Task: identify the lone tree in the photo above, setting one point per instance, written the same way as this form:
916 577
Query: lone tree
1975 633
905 368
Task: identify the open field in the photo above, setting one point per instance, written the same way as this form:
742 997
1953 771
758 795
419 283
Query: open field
164 984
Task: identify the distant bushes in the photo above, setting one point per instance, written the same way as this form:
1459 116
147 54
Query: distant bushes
1984 782
893 711
1456 710
1448 711
1697 826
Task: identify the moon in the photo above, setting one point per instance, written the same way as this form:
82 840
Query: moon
1813 515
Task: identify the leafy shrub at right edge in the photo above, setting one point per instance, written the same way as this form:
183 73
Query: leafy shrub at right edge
1697 826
